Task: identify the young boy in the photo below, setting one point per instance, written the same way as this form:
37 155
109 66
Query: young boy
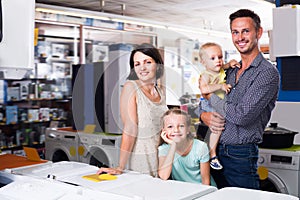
212 80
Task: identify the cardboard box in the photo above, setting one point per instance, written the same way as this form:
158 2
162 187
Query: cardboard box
44 114
13 93
33 115
11 114
23 114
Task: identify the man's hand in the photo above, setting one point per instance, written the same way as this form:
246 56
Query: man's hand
214 121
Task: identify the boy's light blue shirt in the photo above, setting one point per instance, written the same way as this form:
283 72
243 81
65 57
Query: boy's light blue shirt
187 168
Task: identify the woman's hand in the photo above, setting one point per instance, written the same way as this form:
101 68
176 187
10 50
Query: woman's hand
113 171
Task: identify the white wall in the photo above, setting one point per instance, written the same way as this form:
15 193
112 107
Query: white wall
168 38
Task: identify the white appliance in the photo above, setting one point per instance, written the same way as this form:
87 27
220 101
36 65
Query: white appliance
61 144
233 193
157 189
69 184
17 33
26 187
286 46
283 170
52 190
99 149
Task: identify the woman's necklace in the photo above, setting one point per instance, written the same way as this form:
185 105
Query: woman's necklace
151 94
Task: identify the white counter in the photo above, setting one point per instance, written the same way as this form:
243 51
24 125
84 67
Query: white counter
32 183
233 193
129 185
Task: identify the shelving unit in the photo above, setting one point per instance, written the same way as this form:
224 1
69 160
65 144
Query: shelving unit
59 45
43 97
33 117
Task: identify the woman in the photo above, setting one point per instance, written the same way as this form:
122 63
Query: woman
142 104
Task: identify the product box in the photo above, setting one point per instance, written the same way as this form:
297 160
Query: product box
11 114
23 85
2 115
54 113
13 93
20 138
60 50
44 114
43 70
33 115
23 114
3 91
43 49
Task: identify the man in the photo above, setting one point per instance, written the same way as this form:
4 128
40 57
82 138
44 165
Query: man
247 107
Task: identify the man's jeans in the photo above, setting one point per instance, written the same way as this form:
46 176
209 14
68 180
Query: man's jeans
239 166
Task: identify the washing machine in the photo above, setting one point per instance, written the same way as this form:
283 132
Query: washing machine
283 170
61 144
101 149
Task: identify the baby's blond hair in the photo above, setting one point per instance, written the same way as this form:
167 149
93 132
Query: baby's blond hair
204 47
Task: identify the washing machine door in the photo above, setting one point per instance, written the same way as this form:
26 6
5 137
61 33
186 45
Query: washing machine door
98 157
59 155
273 184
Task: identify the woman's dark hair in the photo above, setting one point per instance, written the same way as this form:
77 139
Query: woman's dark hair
149 50
246 13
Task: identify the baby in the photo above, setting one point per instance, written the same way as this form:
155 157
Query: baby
212 80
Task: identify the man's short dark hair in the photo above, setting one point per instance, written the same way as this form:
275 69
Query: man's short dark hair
246 13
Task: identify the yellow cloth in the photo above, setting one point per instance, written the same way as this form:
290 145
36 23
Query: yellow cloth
221 77
101 177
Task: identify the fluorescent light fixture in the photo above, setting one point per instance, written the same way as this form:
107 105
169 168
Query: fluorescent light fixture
71 11
138 22
65 12
125 19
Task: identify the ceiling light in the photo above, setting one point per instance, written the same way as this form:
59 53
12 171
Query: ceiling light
71 12
138 23
125 19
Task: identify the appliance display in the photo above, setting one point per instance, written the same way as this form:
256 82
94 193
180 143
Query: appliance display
101 150
283 170
61 144
51 181
233 193
63 180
